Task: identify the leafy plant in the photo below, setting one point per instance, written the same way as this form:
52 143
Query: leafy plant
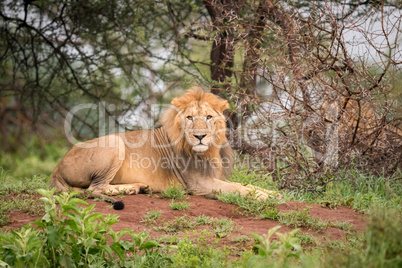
271 253
177 225
380 246
203 220
305 239
179 205
24 193
301 218
174 192
201 250
151 216
223 227
75 236
241 238
250 203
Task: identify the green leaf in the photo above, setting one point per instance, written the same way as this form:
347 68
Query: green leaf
53 235
72 207
118 249
149 245
89 242
127 245
77 201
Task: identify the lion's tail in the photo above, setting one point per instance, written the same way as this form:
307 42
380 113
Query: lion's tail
117 205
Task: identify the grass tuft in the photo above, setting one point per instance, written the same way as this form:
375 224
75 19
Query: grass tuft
179 205
240 239
174 192
151 216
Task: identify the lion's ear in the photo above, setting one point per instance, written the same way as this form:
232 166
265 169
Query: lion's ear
224 104
180 103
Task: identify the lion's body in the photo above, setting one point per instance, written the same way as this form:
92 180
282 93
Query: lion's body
189 149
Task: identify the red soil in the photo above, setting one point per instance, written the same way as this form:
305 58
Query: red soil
136 207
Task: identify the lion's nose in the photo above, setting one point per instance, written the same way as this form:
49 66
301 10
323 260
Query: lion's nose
200 137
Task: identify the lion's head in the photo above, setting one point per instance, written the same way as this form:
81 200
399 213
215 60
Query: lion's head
195 123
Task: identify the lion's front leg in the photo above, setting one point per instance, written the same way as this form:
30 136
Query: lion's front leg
215 185
126 189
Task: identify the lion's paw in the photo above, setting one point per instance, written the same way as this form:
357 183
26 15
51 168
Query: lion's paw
264 194
144 189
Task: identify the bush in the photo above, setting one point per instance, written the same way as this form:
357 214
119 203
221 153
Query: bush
380 247
271 253
69 235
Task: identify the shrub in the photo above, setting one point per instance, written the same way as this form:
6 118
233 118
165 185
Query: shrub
271 253
74 236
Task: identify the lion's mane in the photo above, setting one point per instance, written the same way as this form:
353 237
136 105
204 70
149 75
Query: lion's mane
173 123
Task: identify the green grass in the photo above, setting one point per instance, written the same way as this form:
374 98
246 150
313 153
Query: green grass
177 225
266 210
305 239
301 218
20 194
38 156
223 227
240 239
220 227
179 205
197 250
150 217
379 246
250 203
379 197
245 175
174 192
72 235
356 190
204 220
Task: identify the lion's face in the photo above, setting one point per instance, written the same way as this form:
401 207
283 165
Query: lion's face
195 123
201 126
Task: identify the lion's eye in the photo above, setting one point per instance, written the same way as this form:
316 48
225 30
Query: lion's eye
189 117
209 117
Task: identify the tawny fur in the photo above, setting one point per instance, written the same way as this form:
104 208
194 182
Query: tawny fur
170 155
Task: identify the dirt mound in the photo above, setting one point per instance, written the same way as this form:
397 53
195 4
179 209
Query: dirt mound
136 206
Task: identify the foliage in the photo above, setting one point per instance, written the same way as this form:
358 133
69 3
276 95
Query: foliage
356 189
240 238
37 156
272 253
379 197
200 253
303 113
223 227
305 239
177 225
23 191
174 192
72 235
380 246
179 205
151 216
257 207
245 173
82 52
201 220
265 209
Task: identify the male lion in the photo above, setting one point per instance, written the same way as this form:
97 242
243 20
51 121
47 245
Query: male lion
189 149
